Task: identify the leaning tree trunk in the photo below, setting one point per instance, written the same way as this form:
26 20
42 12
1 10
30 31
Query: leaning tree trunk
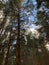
2 27
8 48
2 55
18 41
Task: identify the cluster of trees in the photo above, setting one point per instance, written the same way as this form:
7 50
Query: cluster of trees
16 46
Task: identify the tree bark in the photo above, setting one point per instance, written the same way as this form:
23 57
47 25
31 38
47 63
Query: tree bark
8 48
18 42
1 56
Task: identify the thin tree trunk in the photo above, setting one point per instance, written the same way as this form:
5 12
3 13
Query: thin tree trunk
4 21
1 56
7 54
35 57
2 27
18 42
25 56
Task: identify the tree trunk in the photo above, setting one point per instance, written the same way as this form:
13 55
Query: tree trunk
2 27
25 56
7 54
1 56
18 42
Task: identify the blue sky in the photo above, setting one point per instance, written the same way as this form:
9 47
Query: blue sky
32 17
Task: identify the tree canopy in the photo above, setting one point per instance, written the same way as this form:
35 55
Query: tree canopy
24 32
